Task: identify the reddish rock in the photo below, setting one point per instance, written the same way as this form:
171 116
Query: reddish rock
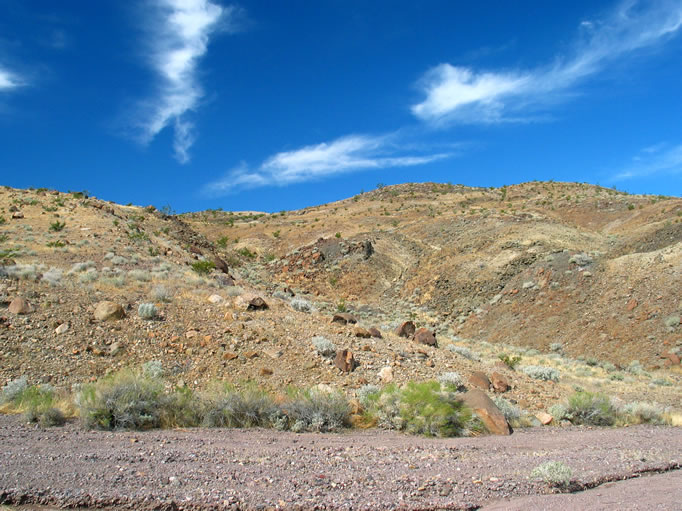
425 336
672 357
264 371
220 264
250 354
344 318
345 361
195 250
485 409
228 355
406 329
479 380
362 333
374 332
257 304
544 418
20 306
631 304
500 383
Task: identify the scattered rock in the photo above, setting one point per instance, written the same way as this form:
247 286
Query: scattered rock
485 409
264 371
544 418
425 336
64 327
106 311
345 361
216 299
386 374
374 332
257 304
250 354
344 318
362 333
479 380
228 355
500 382
406 329
20 306
191 333
17 215
221 265
115 349
632 304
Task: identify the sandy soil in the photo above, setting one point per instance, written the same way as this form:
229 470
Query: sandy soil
264 469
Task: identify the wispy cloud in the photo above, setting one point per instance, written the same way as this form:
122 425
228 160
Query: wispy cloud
180 37
345 154
9 80
657 159
461 94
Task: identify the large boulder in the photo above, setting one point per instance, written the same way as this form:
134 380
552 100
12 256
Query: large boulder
106 311
500 382
406 329
485 409
425 336
20 306
257 304
479 380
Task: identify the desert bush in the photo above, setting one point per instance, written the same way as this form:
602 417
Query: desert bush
161 294
428 410
240 409
203 267
301 305
366 394
315 409
617 376
541 373
53 276
511 361
635 367
464 352
119 260
152 369
591 409
233 291
554 473
124 400
324 346
57 226
37 402
558 411
451 381
46 418
641 413
182 409
13 389
662 382
81 267
88 276
147 311
140 275
22 272
510 411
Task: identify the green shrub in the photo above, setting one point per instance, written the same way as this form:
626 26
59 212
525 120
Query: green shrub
240 409
641 413
161 294
451 381
591 409
427 410
203 267
124 400
511 361
554 473
541 373
510 411
57 226
13 390
222 241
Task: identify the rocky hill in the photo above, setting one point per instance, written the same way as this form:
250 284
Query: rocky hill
572 277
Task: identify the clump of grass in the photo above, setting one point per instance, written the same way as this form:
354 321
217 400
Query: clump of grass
57 226
161 294
553 473
591 409
641 413
511 361
301 305
140 275
451 381
203 267
53 276
541 373
324 346
36 402
81 267
249 408
317 409
147 311
88 276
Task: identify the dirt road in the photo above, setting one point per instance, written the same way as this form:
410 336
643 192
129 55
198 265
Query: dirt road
264 469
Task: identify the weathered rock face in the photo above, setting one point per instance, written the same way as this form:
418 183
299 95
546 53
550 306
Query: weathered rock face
374 332
345 361
479 380
344 318
405 330
220 264
106 311
425 336
544 418
20 306
485 409
500 382
362 333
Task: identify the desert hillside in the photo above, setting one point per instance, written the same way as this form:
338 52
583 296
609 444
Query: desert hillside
571 277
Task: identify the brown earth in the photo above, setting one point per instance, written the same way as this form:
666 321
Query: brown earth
586 271
261 469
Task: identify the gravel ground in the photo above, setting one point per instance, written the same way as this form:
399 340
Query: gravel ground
263 469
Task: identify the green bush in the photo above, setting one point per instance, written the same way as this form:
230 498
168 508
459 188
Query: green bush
147 311
240 409
511 361
203 267
316 410
57 226
541 373
591 409
427 410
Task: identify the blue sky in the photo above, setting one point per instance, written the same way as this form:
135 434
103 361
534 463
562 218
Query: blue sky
266 105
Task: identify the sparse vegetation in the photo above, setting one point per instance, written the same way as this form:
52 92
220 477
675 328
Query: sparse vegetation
57 226
147 311
203 267
324 346
541 373
511 361
554 473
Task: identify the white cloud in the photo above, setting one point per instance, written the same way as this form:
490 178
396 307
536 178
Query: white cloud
9 80
345 154
656 159
180 37
460 94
